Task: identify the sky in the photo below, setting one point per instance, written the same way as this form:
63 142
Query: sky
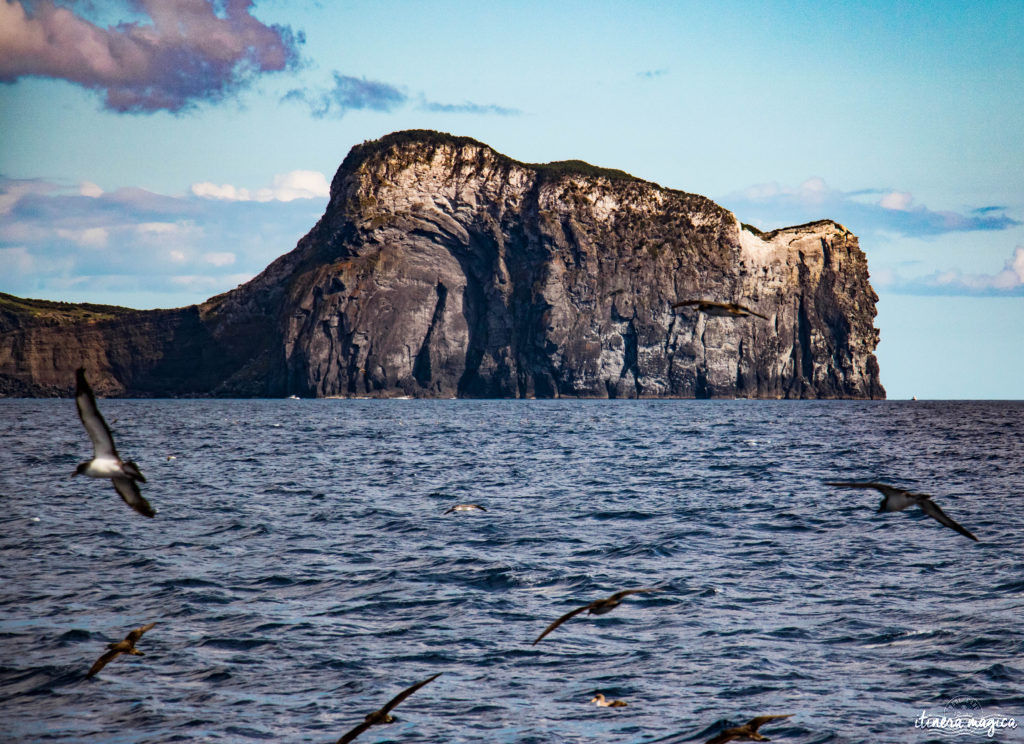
157 152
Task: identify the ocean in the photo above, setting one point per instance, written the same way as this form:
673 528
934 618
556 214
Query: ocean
302 571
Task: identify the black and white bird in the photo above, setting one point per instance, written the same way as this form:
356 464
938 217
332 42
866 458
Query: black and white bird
896 499
597 607
721 309
746 732
105 462
465 508
383 715
127 646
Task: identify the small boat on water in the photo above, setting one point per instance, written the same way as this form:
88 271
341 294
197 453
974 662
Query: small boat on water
294 397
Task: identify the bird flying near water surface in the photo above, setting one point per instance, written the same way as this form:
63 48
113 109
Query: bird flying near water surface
383 715
105 462
127 646
897 499
597 607
746 732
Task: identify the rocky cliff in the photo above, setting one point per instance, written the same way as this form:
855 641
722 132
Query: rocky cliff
444 268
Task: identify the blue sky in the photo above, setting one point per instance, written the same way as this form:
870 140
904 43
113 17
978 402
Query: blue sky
158 152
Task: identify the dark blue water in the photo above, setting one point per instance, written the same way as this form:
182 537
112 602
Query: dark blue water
302 572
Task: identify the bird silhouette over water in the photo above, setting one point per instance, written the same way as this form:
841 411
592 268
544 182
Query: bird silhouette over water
105 462
599 700
721 309
383 715
896 499
127 646
746 732
597 607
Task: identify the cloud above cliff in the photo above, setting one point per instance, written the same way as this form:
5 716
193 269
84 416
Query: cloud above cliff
466 108
360 94
348 94
298 184
1009 282
184 51
773 205
133 246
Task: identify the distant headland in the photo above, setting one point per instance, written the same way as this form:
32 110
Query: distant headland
442 268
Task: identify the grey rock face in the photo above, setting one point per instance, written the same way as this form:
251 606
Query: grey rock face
442 268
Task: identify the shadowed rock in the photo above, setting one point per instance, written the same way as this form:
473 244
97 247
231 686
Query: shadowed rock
442 268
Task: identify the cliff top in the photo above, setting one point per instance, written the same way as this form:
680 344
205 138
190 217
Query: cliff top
59 312
430 139
768 235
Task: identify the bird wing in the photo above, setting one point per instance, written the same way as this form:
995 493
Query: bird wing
92 420
354 732
129 491
884 489
750 312
561 620
406 693
755 723
686 303
626 592
103 661
932 509
132 470
723 736
136 634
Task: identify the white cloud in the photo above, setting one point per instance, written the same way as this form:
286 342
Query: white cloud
771 205
90 237
810 190
900 200
16 260
158 228
125 245
219 258
1012 275
12 191
227 192
88 188
297 184
1009 281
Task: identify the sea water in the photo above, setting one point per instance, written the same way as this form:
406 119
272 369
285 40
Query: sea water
301 570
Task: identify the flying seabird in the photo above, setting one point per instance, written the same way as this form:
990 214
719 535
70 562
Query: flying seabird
384 714
597 607
896 499
722 309
465 507
747 732
105 462
599 700
127 646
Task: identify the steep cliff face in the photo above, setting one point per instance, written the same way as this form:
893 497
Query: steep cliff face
443 268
